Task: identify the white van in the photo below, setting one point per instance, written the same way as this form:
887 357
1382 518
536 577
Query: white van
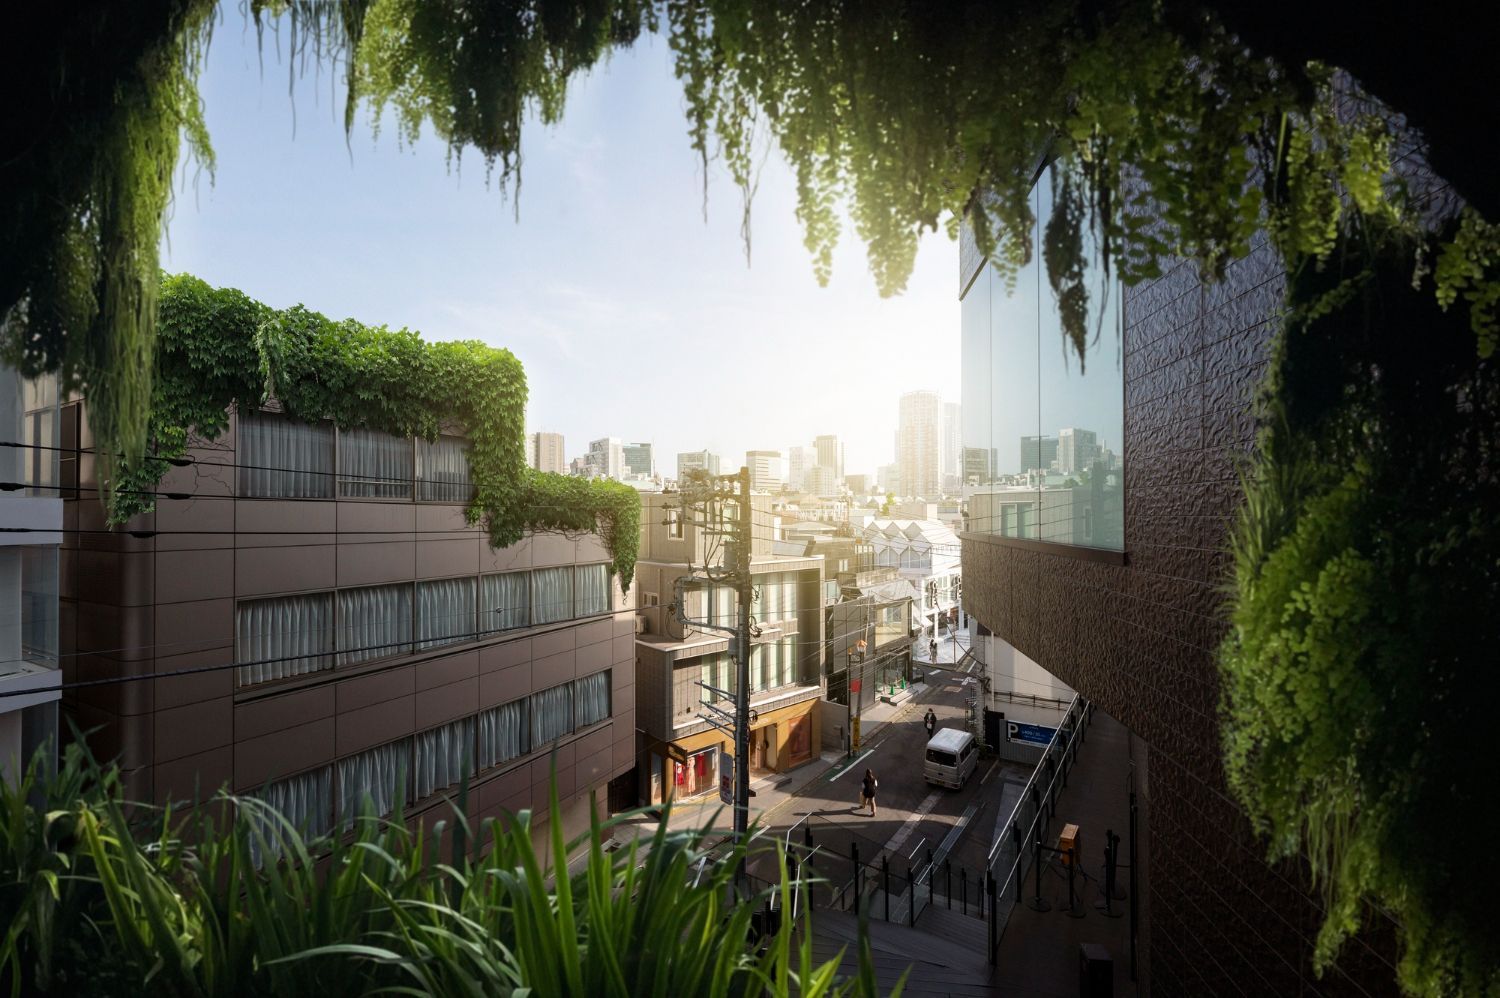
951 757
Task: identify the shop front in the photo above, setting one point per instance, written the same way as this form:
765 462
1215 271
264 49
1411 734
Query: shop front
782 737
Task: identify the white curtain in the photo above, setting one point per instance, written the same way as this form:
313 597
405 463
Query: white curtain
374 465
551 594
381 774
591 590
374 622
551 714
282 458
505 601
282 637
502 734
443 470
305 801
443 756
445 612
591 699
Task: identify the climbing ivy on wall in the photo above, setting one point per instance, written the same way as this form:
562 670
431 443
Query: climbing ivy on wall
1359 677
219 348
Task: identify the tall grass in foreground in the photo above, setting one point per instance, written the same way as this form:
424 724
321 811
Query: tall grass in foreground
98 896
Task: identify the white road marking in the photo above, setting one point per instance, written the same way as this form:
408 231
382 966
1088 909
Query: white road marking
851 765
910 825
987 776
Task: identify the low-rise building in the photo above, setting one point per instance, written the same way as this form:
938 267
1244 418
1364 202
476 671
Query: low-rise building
924 553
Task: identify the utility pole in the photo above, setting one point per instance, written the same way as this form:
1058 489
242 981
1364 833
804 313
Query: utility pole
742 660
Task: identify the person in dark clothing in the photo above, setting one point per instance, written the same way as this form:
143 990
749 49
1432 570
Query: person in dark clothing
932 649
868 790
930 723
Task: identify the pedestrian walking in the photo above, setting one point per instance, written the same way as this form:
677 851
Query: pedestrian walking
868 788
932 649
930 723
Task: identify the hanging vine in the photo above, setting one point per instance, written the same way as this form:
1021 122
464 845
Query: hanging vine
218 348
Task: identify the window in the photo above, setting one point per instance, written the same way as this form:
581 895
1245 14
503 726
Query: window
551 715
1042 436
304 800
443 470
283 458
445 612
374 782
591 590
551 594
504 601
503 734
443 757
374 465
283 637
773 665
39 604
374 622
674 523
591 699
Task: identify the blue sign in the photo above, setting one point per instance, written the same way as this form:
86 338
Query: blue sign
1028 734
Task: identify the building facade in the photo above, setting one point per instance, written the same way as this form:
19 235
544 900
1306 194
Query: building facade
698 460
924 553
606 458
544 452
830 453
919 444
1113 584
639 460
679 753
31 510
314 621
951 465
765 470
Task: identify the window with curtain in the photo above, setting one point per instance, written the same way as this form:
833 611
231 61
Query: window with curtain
442 757
591 590
551 594
591 699
374 621
381 774
551 715
304 800
283 637
374 465
283 458
443 470
504 601
718 671
445 612
502 734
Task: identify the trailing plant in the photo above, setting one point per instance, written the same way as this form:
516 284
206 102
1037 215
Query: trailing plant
219 349
102 898
1358 676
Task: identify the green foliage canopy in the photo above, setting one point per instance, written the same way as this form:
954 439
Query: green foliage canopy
218 348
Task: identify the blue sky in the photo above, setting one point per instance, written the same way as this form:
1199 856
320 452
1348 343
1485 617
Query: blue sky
632 316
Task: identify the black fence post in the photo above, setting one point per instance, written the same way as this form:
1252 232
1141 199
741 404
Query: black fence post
963 891
1134 885
854 853
994 926
911 916
1075 910
1037 903
885 876
807 836
931 878
948 882
1015 837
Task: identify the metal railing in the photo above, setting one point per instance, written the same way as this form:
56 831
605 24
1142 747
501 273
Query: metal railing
1029 820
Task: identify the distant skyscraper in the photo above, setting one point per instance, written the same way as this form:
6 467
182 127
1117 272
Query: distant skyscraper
698 460
830 453
544 452
799 461
888 478
858 484
1076 450
606 458
1038 454
919 449
819 481
951 466
639 459
979 463
765 469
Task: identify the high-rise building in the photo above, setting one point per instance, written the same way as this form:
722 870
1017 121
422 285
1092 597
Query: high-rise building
697 460
639 459
765 469
888 478
979 464
919 450
1076 449
951 465
820 481
830 453
1038 454
606 458
858 484
544 452
799 461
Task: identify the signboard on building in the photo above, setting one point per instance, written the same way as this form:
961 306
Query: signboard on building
726 777
1028 734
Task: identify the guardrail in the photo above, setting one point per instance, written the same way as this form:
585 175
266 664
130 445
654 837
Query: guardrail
1029 820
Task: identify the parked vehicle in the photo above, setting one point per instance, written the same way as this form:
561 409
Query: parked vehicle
952 755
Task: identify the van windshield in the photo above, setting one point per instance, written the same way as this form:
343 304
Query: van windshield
941 758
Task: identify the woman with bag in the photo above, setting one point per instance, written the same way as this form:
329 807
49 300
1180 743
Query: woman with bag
868 789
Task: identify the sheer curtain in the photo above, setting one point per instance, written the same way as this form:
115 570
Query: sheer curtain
282 637
502 734
382 774
591 699
443 757
591 589
505 601
443 470
551 594
283 458
551 714
305 801
445 612
374 621
374 465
